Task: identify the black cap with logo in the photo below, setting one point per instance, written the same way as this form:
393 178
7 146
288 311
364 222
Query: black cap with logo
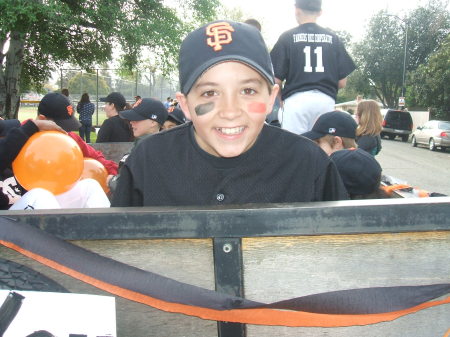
116 98
218 42
146 108
57 107
309 5
335 123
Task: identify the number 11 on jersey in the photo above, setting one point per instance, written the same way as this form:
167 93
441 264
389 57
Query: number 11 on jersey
319 64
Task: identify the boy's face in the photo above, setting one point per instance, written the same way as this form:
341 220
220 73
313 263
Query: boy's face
141 128
228 106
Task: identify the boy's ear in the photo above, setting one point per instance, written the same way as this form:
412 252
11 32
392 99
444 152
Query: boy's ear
338 143
182 100
273 97
41 117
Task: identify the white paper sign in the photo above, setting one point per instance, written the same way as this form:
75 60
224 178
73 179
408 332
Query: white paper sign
63 314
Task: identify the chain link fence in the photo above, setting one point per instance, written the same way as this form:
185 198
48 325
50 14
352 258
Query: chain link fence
100 82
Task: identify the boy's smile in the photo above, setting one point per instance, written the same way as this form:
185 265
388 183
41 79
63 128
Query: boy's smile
228 105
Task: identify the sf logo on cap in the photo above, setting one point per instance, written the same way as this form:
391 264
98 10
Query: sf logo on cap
70 110
220 33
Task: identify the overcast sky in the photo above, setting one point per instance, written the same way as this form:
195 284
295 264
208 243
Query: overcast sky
350 15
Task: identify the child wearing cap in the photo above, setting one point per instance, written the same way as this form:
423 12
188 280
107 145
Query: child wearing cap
85 193
175 118
226 154
360 172
56 107
147 117
114 128
333 131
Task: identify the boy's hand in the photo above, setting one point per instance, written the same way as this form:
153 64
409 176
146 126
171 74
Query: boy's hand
47 125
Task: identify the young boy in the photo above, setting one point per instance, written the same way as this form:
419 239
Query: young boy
86 193
360 172
313 63
226 155
334 131
147 117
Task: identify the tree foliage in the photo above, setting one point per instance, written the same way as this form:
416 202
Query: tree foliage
430 83
45 34
87 82
380 55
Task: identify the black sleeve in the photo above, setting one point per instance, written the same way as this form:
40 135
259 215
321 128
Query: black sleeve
126 194
334 188
104 134
11 145
280 58
345 62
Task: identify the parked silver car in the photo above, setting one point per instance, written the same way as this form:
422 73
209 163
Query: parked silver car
434 134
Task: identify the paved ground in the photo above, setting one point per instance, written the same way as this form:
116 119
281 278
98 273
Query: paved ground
419 166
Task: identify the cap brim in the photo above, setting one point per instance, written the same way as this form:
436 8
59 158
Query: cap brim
68 125
102 99
201 69
131 115
313 135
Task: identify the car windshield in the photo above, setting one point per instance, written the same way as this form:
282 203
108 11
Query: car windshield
444 125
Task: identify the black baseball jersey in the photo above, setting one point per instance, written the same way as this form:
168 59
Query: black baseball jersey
170 169
310 57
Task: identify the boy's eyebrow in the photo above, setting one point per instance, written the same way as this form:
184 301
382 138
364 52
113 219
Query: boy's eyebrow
255 80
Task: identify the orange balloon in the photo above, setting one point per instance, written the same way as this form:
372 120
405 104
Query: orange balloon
51 160
95 170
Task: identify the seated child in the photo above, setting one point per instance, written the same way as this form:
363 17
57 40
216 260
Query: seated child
227 154
360 172
147 117
175 118
86 193
333 131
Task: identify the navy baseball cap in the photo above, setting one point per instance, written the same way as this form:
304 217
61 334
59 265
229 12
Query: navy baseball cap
359 170
309 5
218 42
57 107
177 116
116 98
334 123
8 124
146 108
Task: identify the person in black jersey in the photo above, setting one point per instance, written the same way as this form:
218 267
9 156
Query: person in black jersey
226 154
114 128
313 63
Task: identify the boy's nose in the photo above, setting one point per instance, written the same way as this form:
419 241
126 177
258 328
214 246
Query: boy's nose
230 107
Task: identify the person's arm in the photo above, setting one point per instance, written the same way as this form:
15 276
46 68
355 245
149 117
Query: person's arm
342 83
126 195
104 133
16 138
90 152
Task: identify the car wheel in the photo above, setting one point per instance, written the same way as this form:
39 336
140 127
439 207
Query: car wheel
14 276
432 145
391 136
405 138
382 135
414 141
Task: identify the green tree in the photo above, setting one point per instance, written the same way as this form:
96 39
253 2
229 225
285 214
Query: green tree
87 82
430 83
380 54
44 34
